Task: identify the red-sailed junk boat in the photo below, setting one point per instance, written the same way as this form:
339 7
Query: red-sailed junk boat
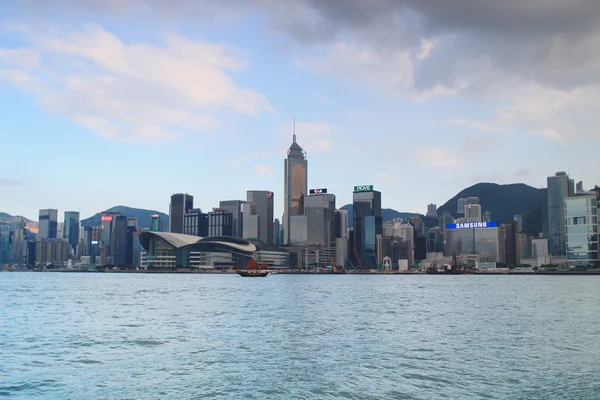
253 269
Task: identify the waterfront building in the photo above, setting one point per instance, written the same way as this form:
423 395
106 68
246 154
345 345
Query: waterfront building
473 239
235 208
299 228
220 222
510 243
71 229
195 223
48 224
367 224
341 251
180 204
319 210
581 222
559 188
295 185
170 250
539 248
118 242
434 240
341 224
276 229
50 251
258 215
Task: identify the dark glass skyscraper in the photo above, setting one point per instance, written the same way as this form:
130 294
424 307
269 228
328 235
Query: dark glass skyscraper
295 185
367 224
196 223
48 224
71 228
180 204
118 242
559 188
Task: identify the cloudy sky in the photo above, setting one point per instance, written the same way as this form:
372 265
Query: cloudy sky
126 102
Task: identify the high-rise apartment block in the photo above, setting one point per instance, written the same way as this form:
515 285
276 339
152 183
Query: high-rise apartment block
559 188
180 204
48 224
295 186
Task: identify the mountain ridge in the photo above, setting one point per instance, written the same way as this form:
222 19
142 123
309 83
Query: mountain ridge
142 215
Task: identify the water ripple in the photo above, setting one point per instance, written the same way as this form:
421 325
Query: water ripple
299 337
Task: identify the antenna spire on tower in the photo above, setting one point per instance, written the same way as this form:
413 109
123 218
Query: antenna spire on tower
294 138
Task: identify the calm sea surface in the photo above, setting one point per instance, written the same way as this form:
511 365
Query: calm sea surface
141 336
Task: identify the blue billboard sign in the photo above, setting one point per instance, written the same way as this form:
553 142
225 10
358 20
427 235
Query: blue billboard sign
472 225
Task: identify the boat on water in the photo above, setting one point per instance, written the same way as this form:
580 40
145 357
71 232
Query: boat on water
452 269
253 273
253 270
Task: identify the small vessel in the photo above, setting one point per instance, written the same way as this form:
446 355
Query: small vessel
253 273
253 269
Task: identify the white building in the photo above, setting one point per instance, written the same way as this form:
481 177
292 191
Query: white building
581 222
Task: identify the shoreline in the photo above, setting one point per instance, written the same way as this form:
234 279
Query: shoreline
304 272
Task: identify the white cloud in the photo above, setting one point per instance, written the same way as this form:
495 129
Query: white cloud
385 178
437 156
388 72
133 91
312 136
263 169
474 124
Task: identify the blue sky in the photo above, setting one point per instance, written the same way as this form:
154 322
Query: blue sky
125 102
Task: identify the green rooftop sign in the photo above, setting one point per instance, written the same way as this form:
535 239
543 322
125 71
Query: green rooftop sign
363 188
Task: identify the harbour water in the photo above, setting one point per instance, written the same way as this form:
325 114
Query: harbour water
143 336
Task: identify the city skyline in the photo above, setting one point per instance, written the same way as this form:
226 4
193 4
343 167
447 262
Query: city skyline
214 118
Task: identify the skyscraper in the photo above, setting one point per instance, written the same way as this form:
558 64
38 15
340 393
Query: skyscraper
71 228
431 210
180 204
48 224
367 224
559 188
235 208
320 219
295 185
118 240
258 215
581 218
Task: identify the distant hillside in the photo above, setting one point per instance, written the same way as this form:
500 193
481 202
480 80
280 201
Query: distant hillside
142 215
503 201
387 214
30 225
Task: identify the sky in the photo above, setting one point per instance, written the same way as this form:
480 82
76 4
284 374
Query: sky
125 102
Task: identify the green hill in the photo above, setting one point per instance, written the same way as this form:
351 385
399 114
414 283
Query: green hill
142 215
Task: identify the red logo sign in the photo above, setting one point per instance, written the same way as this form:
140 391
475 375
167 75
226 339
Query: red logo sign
107 218
269 195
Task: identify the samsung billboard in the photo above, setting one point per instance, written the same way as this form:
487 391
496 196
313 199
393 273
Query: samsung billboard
472 225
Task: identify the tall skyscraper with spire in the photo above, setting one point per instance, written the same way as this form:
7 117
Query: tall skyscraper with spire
295 185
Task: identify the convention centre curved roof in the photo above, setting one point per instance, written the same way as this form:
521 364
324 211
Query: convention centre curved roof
179 240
